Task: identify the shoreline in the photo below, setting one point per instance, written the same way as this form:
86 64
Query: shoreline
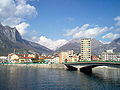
59 66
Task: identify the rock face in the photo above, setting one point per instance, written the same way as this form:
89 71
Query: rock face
97 46
71 45
11 39
115 45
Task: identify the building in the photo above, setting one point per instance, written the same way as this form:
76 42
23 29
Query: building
56 59
3 59
20 58
85 49
49 59
95 58
75 58
68 56
63 57
25 60
109 55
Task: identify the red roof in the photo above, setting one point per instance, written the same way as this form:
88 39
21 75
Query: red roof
27 57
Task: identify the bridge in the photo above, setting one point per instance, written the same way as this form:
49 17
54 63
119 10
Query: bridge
86 67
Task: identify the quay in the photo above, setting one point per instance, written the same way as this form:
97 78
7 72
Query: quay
39 65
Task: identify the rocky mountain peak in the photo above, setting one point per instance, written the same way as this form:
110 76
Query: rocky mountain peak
11 33
10 38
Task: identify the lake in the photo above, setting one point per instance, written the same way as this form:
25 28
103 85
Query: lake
31 78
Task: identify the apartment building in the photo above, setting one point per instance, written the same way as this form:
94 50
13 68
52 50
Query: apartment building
109 55
85 49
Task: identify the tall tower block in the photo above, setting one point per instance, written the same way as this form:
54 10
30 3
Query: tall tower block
85 49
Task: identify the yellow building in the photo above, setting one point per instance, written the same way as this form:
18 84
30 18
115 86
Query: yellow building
63 57
67 56
86 49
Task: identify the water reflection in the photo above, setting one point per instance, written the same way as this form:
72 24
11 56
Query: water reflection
27 78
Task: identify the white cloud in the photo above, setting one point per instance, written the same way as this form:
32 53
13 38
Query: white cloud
51 44
22 28
104 42
111 36
76 29
118 20
86 31
12 12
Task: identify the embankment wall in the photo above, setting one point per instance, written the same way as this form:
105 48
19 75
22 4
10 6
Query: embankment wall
61 66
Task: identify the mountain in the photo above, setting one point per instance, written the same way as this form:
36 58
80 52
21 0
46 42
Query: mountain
11 39
115 45
71 45
97 46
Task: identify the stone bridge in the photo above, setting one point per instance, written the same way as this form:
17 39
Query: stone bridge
87 66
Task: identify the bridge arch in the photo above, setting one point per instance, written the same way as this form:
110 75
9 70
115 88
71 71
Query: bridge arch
87 66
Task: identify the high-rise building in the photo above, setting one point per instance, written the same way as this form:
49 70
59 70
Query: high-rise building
86 49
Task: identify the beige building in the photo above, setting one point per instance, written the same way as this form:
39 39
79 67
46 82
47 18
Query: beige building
86 49
63 57
20 58
68 56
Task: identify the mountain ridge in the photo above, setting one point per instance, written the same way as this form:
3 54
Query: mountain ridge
97 46
11 39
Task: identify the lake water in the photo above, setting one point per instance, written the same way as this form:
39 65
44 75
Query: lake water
29 78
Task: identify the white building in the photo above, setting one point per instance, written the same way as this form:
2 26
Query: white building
3 59
56 59
109 55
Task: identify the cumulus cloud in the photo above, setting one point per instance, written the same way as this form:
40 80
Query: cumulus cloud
22 28
86 31
51 44
76 30
12 12
111 36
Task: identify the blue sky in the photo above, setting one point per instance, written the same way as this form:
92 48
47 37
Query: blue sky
53 23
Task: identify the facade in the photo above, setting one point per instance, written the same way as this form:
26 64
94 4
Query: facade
3 59
13 58
109 55
20 58
49 59
85 49
68 56
95 58
56 59
63 57
75 58
25 60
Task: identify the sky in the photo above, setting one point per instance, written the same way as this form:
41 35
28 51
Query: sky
53 23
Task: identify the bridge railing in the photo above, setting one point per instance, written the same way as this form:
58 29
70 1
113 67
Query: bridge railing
92 61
